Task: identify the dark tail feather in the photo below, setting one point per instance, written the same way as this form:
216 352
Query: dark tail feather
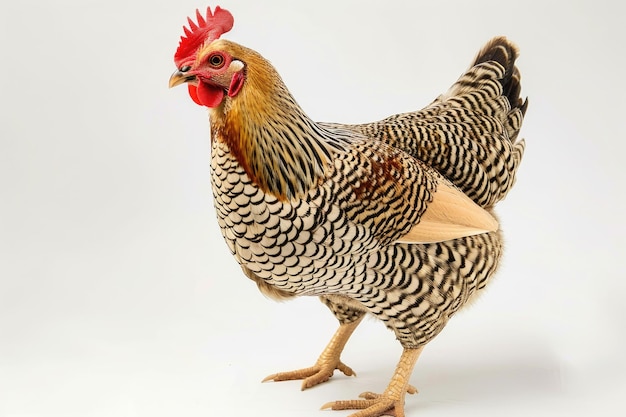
502 51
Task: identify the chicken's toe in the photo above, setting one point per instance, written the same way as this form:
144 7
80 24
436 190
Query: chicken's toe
320 372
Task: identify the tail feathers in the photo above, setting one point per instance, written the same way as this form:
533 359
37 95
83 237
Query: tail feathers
469 134
502 51
487 154
505 53
492 87
495 61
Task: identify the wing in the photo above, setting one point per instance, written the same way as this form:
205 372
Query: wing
397 198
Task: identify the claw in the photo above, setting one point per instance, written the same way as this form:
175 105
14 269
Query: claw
326 364
347 371
390 402
312 376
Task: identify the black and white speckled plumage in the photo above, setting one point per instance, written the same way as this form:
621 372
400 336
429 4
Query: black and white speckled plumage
368 186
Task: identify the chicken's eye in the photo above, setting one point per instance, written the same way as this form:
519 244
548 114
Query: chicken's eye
216 61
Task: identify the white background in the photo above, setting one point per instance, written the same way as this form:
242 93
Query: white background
119 298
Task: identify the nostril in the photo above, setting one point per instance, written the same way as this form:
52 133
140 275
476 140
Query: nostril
184 68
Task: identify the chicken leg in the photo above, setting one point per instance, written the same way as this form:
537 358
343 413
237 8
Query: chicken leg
327 362
390 402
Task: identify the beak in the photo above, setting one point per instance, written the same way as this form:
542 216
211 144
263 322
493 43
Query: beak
180 77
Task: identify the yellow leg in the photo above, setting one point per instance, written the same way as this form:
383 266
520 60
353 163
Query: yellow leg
390 402
326 364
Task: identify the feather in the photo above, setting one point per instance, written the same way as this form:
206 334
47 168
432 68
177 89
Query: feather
450 215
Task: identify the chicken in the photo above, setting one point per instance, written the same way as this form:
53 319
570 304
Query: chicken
392 218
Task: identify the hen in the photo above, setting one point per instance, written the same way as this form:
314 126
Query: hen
392 218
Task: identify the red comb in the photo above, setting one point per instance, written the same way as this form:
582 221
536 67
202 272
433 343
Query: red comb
206 30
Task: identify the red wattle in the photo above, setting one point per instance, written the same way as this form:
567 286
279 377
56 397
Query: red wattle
193 93
209 95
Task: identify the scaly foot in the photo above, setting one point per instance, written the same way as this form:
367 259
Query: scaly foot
372 405
391 402
328 361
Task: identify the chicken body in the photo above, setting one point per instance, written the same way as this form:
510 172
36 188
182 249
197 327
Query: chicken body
336 200
333 242
389 218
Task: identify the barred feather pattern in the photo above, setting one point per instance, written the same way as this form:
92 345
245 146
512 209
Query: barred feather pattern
470 133
302 246
337 239
416 289
337 244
